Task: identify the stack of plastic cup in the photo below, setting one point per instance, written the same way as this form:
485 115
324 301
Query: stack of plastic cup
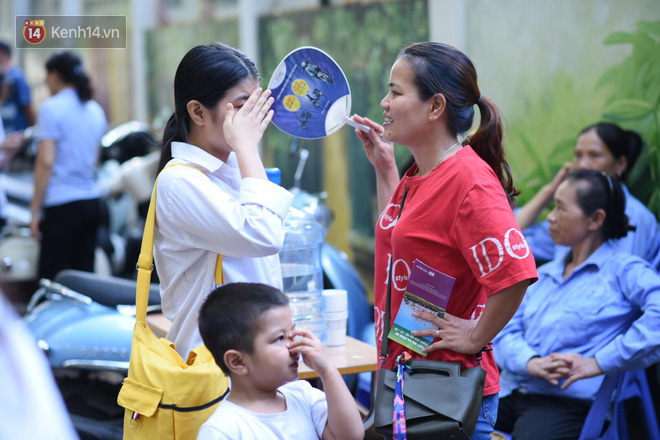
336 316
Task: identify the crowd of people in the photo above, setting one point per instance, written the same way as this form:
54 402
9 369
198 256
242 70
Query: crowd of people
545 337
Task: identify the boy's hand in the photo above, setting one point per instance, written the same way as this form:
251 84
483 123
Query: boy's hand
303 341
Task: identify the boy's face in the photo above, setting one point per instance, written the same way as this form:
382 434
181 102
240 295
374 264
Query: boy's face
271 364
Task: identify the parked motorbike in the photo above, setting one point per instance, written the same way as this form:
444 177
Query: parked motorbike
84 324
129 161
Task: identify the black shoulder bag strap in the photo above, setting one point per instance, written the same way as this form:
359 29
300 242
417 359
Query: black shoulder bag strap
388 304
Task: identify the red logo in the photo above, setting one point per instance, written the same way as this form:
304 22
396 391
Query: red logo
489 252
389 216
34 31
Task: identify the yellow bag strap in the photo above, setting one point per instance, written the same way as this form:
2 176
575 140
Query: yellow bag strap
145 261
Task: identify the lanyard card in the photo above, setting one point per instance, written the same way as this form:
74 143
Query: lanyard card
312 96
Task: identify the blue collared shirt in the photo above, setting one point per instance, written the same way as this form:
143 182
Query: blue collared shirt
77 128
643 242
608 308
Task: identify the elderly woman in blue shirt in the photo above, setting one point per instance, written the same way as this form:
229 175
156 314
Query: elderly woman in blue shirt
593 312
602 147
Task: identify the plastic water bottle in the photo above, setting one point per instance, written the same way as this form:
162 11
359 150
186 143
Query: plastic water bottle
274 175
302 275
300 262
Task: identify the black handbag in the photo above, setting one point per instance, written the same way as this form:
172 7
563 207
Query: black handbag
441 401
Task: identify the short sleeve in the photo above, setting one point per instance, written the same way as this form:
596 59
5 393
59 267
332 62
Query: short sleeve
317 403
47 122
487 235
211 433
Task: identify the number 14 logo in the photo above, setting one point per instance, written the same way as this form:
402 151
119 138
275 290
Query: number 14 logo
34 31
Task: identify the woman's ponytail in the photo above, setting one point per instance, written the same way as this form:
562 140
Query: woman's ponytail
172 133
487 142
69 67
82 84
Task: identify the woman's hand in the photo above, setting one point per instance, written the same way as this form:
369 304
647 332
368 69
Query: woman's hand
245 127
381 155
548 191
379 152
453 333
552 367
526 216
34 225
582 368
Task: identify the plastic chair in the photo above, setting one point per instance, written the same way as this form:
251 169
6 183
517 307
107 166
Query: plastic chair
625 385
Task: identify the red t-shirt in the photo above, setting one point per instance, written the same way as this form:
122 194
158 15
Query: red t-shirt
456 219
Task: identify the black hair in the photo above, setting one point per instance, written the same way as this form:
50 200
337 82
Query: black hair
440 68
4 47
619 142
601 191
69 67
204 74
229 317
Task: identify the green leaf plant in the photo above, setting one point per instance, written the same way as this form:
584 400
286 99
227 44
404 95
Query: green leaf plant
634 103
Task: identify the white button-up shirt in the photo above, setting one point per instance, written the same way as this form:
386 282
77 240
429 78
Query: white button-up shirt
202 214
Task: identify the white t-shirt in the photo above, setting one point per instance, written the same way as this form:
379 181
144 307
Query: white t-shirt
305 418
202 214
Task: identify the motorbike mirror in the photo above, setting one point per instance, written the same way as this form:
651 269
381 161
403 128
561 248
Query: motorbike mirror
312 96
121 131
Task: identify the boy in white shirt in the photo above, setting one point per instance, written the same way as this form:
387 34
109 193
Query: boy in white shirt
248 329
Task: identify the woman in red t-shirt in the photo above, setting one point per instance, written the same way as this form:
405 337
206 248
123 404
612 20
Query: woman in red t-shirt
457 214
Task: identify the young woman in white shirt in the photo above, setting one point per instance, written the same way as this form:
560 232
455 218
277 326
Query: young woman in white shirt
220 202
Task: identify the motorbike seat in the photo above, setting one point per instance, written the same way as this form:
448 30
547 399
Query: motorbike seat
106 290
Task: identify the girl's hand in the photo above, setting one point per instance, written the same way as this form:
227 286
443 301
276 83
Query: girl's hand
311 348
244 128
453 333
379 152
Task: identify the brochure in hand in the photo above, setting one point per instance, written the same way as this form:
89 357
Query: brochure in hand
428 290
312 97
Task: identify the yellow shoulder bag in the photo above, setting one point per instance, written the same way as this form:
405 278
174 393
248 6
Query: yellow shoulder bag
165 397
